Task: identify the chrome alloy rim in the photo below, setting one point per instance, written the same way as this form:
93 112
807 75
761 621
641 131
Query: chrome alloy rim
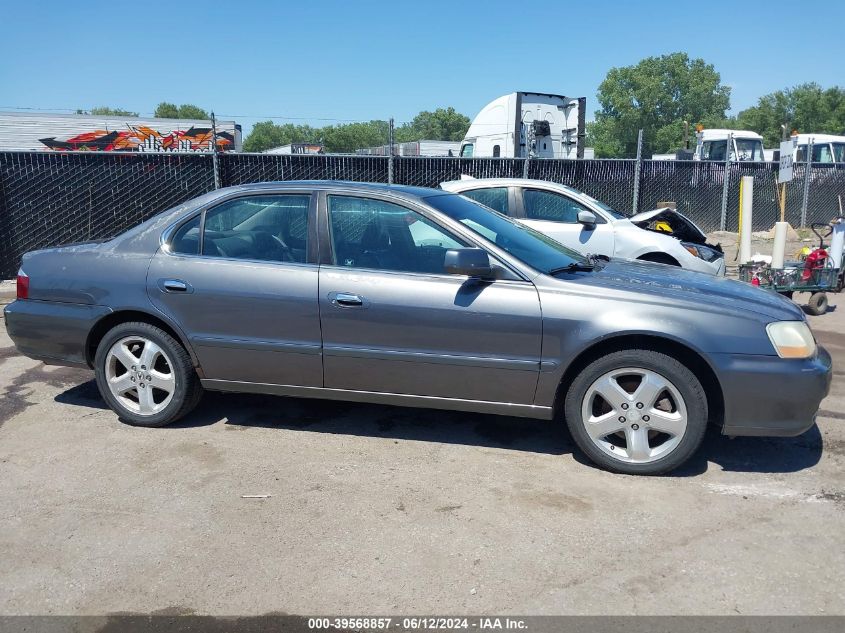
634 415
140 375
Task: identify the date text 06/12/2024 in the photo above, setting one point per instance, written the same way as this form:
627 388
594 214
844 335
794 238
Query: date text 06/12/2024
415 623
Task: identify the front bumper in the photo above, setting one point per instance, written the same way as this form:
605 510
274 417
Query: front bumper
53 332
772 396
717 267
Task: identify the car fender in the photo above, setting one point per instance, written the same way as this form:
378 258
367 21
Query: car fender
575 321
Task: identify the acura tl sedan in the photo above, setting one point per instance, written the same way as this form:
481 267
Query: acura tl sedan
587 225
422 298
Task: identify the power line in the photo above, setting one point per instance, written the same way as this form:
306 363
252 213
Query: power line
233 116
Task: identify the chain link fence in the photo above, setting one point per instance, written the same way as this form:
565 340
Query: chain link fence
48 199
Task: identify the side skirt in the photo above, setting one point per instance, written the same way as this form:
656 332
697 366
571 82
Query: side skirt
375 397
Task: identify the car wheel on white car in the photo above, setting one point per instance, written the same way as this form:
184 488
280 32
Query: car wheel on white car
637 412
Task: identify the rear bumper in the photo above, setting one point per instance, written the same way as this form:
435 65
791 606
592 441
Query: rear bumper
55 333
768 395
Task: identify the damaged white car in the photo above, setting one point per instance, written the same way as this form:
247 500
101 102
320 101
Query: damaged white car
589 226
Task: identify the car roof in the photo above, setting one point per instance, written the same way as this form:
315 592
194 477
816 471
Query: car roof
476 183
347 185
820 138
721 134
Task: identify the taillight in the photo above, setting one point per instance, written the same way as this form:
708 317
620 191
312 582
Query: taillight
23 285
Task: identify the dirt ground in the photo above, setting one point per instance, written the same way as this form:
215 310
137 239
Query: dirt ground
373 509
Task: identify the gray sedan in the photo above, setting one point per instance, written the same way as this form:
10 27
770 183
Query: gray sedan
421 298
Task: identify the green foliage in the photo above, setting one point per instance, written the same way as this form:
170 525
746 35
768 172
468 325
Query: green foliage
443 124
165 110
351 136
656 95
106 111
266 135
807 108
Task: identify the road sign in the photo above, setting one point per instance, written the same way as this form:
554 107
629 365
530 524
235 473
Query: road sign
785 166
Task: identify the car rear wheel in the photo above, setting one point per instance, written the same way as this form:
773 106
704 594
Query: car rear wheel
637 412
145 375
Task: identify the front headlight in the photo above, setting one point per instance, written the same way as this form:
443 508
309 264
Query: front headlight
792 339
702 252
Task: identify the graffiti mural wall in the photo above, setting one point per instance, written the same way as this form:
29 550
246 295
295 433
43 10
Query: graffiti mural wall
24 131
141 138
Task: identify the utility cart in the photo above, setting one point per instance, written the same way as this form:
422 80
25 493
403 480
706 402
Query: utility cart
818 273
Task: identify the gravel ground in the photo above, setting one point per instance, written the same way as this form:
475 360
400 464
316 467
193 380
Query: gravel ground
373 509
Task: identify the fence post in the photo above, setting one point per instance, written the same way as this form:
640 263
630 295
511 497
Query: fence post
390 152
727 182
525 168
214 161
808 169
635 203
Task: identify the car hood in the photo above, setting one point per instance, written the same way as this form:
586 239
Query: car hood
688 289
682 227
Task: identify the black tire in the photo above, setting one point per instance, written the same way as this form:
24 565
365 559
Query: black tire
817 305
659 258
678 374
187 392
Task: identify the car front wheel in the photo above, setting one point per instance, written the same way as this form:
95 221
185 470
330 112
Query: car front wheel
145 375
637 412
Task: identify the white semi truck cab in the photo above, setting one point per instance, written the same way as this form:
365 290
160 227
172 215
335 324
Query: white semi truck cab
744 145
528 124
826 148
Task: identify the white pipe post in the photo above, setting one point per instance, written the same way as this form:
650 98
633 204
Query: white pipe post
837 244
779 248
747 189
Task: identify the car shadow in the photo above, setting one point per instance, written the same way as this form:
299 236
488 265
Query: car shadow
244 411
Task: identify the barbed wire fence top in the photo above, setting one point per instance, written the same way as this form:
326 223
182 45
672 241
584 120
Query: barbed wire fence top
53 198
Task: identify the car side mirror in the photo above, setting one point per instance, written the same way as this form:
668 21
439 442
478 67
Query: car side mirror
472 262
588 219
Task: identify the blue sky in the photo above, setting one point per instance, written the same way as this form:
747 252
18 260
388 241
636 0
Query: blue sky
314 60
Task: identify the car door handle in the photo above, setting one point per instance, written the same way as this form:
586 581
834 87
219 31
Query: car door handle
174 285
347 300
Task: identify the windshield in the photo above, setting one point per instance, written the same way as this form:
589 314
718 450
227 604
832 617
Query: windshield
839 152
533 248
749 149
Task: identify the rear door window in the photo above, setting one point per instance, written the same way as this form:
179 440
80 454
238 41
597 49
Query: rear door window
265 228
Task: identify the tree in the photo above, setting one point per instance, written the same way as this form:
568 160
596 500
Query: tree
106 111
342 139
656 95
266 135
806 108
165 110
444 124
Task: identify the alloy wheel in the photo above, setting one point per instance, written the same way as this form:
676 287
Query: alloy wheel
634 415
140 375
